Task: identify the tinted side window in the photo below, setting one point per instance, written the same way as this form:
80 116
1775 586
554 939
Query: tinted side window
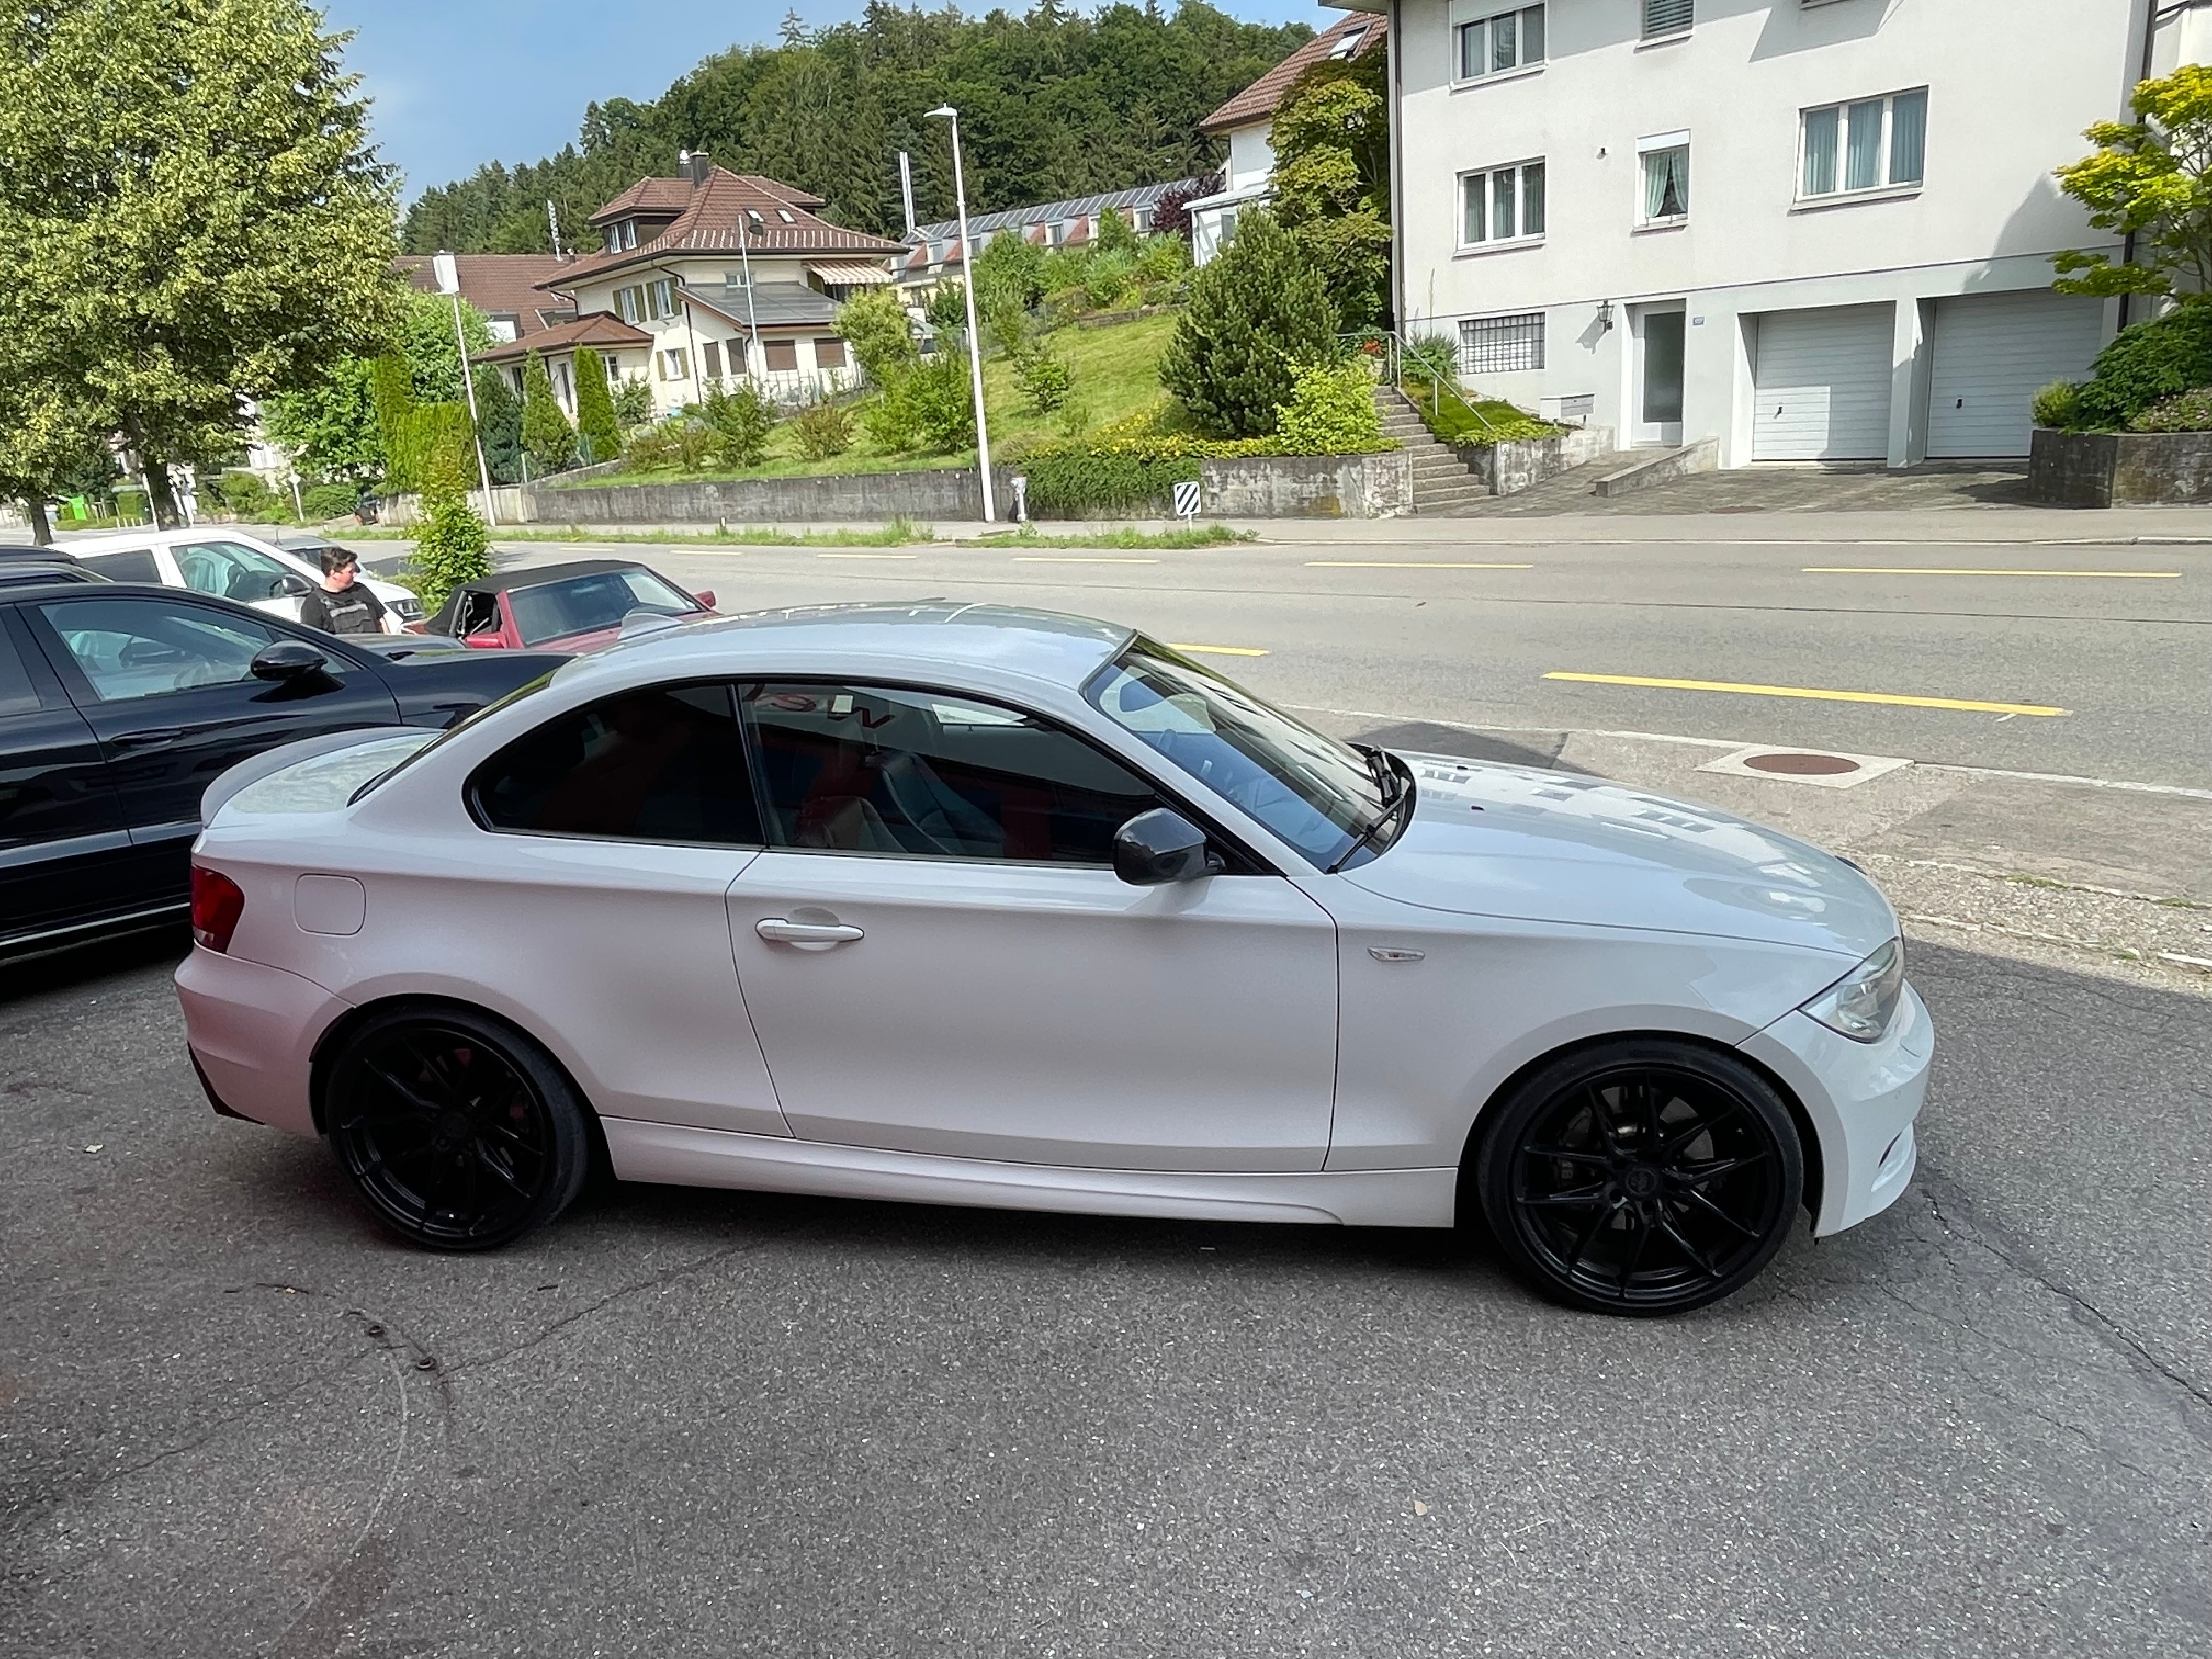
149 648
857 769
16 691
138 565
667 763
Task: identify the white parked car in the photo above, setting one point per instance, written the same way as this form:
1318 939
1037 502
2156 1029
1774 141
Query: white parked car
227 563
974 905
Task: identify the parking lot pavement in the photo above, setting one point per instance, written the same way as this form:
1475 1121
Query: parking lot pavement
234 1418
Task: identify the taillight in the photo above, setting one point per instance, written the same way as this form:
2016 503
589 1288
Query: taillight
217 903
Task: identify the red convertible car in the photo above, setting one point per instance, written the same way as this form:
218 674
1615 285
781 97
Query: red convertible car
559 607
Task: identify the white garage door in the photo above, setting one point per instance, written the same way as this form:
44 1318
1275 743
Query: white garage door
1822 382
1994 352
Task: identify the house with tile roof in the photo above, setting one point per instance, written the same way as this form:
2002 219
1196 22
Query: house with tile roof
933 254
1245 120
502 286
709 278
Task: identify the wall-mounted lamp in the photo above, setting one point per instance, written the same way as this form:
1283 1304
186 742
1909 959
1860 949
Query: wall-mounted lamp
1605 315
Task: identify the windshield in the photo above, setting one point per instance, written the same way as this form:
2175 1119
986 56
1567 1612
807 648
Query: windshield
1318 794
584 604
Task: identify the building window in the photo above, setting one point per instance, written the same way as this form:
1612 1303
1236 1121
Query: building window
1873 143
735 350
1508 40
710 359
734 279
780 354
830 352
629 302
614 369
675 365
567 388
1664 17
1505 204
1666 163
660 298
786 216
1347 44
1501 346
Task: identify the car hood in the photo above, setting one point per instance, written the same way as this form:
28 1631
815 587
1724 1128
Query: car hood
1514 841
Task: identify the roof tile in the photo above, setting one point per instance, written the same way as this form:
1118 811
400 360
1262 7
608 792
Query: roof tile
1257 102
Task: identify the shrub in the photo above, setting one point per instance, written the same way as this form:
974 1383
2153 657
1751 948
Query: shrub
1331 411
1043 376
547 437
632 404
2058 405
942 403
1432 356
1254 312
737 424
2191 412
1069 481
821 430
331 501
245 493
1163 259
874 325
595 408
947 310
1009 272
2146 364
451 545
652 448
1110 280
1114 236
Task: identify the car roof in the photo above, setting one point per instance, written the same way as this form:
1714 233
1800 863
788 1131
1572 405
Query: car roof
506 581
13 553
884 636
38 573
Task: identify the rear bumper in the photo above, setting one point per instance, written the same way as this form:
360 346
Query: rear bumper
253 1031
1862 1099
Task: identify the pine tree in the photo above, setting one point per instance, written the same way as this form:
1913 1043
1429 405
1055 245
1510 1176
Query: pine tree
1254 312
547 437
595 408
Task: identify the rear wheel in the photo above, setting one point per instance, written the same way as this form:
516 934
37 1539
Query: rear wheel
1644 1176
460 1133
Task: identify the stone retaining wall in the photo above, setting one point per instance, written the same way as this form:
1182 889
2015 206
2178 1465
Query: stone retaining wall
2119 469
1510 468
1309 486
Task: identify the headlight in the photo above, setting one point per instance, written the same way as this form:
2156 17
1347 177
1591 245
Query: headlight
1861 1004
409 609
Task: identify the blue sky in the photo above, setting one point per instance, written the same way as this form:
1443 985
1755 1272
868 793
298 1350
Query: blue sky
459 82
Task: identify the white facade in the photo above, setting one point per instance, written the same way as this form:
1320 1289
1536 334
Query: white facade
1811 229
1246 181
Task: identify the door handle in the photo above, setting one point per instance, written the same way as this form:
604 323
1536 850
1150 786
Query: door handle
153 738
777 931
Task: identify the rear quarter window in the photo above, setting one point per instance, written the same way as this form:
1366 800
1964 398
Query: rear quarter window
136 565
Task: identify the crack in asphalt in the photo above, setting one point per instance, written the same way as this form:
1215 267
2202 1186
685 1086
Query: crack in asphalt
670 1276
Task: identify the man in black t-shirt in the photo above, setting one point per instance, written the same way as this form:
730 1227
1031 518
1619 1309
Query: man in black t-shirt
342 605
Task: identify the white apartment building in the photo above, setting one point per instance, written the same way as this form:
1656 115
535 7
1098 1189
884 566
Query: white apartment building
1814 230
708 279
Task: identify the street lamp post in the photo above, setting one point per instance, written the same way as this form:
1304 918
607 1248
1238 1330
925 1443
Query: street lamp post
967 287
752 315
447 270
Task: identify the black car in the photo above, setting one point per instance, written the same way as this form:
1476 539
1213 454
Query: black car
121 702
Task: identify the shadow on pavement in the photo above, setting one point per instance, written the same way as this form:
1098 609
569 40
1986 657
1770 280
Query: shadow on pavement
62 971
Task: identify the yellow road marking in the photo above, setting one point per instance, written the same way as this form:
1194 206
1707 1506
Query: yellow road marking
1817 695
1218 650
1934 570
867 556
1052 558
1408 564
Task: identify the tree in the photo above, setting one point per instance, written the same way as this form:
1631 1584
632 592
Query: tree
874 325
499 425
331 427
1115 235
193 219
1172 213
1254 312
947 310
1009 272
595 407
2148 180
1331 136
547 437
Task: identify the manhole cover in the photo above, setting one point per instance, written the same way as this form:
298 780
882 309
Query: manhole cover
1795 765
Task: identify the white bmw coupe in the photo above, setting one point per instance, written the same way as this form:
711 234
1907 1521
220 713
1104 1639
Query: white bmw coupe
974 905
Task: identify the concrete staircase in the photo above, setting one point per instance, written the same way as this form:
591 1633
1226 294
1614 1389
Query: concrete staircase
1442 483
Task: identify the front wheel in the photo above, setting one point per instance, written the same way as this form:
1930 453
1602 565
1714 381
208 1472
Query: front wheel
1643 1176
459 1131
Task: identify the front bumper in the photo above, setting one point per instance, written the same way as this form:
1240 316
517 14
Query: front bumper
1862 1097
251 1030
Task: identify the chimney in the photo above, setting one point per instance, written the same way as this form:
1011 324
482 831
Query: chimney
693 164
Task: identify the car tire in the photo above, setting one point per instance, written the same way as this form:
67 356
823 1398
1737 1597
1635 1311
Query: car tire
1644 1176
459 1131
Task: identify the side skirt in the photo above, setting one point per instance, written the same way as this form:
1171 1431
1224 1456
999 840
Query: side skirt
683 1156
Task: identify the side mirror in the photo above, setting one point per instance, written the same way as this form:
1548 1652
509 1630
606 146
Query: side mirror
483 641
289 587
1159 847
287 659
706 598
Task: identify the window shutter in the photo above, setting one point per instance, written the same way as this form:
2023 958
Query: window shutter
1667 16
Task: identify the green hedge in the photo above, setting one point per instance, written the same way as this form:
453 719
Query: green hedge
1069 481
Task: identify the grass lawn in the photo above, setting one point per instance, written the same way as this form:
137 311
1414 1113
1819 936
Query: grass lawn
1116 373
1453 420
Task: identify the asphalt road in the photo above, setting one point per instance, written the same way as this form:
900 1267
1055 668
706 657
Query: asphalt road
2122 646
237 1420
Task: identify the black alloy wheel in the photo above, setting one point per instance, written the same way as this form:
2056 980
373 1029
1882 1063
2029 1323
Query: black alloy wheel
461 1133
1644 1176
